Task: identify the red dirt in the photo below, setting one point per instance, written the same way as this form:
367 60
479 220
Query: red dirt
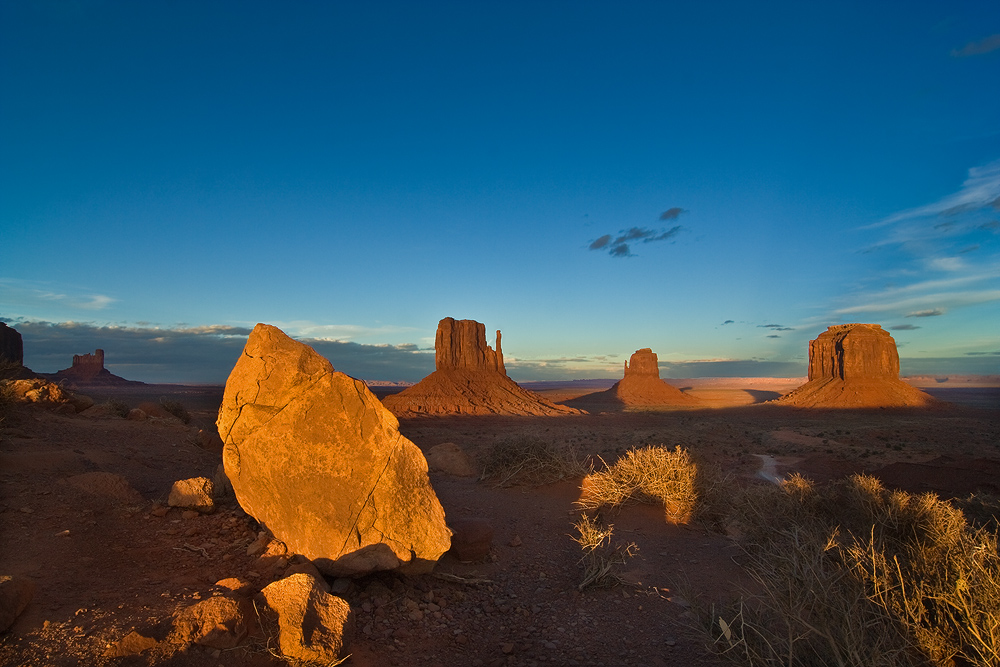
122 568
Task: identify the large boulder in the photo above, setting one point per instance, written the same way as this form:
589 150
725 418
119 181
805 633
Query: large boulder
320 463
313 625
15 594
854 366
470 379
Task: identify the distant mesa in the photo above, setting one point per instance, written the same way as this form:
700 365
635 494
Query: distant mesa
854 366
640 388
89 370
12 355
470 379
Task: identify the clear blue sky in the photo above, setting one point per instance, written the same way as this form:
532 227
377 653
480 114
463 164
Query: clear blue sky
717 181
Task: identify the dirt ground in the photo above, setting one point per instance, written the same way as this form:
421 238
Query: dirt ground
103 569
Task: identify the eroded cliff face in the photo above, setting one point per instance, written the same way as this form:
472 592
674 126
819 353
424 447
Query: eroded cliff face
854 366
470 380
461 345
643 363
853 351
11 346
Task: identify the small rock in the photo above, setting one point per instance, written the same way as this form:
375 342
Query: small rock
471 539
136 415
193 494
131 644
508 647
190 514
516 542
160 511
15 594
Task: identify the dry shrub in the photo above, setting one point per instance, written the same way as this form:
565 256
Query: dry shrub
529 460
176 409
650 474
601 561
117 407
855 574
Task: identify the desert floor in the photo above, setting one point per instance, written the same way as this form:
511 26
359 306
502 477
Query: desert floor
103 569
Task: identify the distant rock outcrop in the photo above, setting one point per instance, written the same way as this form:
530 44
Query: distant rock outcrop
854 366
11 346
470 380
640 388
88 370
320 463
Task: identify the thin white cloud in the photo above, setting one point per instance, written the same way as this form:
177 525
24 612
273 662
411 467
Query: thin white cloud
925 301
980 190
21 294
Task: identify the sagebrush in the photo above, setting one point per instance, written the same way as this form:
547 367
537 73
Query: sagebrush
525 459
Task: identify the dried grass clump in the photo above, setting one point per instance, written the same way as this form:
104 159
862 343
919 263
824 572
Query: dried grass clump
856 574
117 407
176 409
530 461
650 474
601 561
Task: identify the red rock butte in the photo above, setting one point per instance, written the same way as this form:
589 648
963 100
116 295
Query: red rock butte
640 388
854 366
470 379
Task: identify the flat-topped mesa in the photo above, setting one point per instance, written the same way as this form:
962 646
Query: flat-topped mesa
853 351
88 364
643 363
461 345
470 379
854 366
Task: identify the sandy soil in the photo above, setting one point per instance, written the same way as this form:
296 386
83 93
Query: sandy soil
103 569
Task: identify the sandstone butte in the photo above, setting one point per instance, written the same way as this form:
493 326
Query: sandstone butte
641 387
469 379
320 463
854 366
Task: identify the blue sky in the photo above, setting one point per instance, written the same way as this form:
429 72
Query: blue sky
717 181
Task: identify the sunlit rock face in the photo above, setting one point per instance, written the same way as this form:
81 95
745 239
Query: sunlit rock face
470 380
643 363
855 366
320 463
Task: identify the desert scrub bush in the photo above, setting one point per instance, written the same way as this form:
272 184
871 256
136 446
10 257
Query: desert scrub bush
601 560
118 408
529 460
176 409
856 574
650 474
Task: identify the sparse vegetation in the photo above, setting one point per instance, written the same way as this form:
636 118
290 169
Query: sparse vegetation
650 474
601 561
117 407
176 409
529 460
855 574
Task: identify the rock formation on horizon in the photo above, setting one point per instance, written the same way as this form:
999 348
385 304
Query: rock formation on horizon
854 366
470 379
11 346
641 387
316 459
88 369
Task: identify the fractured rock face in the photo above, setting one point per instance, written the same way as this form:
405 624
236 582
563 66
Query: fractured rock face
470 380
854 366
319 462
313 625
640 388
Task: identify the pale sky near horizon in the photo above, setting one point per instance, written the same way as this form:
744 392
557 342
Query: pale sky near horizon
716 181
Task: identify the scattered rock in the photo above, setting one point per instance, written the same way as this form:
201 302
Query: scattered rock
471 538
219 622
234 584
15 595
854 366
195 493
136 415
469 379
209 439
318 461
450 459
36 390
312 624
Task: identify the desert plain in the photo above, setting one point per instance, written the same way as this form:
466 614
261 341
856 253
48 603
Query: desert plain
110 575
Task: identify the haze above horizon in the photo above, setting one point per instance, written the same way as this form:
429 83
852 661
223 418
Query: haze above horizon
716 182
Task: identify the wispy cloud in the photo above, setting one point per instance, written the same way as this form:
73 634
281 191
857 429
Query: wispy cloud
905 327
18 294
931 304
620 244
935 312
985 45
775 327
979 190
